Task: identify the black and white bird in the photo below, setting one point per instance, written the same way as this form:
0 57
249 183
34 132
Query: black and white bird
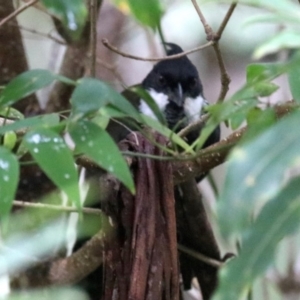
176 88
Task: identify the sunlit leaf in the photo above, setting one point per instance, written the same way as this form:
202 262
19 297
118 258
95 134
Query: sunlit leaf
256 172
48 294
294 77
258 121
26 84
38 121
148 12
9 140
97 144
73 14
91 95
257 73
284 40
9 176
21 248
279 218
11 113
55 159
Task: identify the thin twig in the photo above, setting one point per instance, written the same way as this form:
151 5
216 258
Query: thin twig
93 14
208 30
194 126
200 256
225 79
212 36
116 50
45 35
18 11
86 210
226 19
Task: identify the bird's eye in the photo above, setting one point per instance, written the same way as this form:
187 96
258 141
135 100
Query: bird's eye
193 82
161 80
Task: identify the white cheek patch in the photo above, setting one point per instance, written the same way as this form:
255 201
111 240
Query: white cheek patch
161 100
193 108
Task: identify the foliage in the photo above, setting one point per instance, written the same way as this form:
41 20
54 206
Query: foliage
259 203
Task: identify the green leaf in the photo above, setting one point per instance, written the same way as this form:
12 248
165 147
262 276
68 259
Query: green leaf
48 294
55 159
264 89
24 85
279 218
11 113
258 121
73 14
9 176
91 95
97 144
284 40
264 72
38 121
294 77
256 172
148 12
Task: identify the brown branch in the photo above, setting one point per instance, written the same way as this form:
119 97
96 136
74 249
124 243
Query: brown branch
208 30
116 50
226 19
93 35
225 79
17 12
85 210
208 260
212 36
66 270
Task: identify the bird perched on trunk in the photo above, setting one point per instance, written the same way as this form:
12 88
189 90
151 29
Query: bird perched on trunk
176 88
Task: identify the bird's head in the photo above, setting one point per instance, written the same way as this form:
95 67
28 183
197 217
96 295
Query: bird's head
176 87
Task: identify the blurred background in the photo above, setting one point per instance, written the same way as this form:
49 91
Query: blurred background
181 25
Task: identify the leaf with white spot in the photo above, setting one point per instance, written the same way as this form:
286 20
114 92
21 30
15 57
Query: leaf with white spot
26 84
257 171
97 144
9 175
278 219
54 157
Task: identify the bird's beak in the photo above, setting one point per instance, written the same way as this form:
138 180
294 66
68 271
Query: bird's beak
177 96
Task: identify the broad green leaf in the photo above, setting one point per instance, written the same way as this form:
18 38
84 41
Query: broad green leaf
28 83
73 14
279 218
284 40
284 8
97 144
256 172
257 73
24 85
55 159
10 140
11 113
258 121
148 12
9 176
92 94
48 294
38 121
294 77
265 89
